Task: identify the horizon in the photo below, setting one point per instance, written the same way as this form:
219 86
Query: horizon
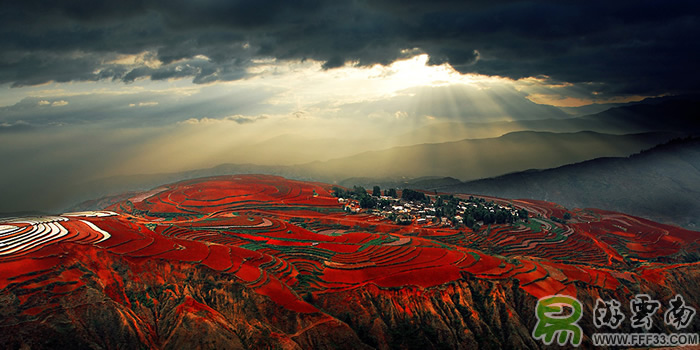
112 90
350 174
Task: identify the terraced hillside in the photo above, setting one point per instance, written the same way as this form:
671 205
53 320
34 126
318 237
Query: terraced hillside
254 261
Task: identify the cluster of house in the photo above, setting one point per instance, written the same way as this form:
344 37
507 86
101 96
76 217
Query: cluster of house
351 205
419 212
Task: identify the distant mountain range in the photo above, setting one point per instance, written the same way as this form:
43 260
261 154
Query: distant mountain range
466 159
616 132
479 158
670 114
661 184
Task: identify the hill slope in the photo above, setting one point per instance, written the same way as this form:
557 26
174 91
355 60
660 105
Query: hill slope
466 159
264 262
661 184
670 114
480 158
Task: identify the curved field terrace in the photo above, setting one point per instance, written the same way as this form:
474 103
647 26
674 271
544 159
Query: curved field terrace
292 244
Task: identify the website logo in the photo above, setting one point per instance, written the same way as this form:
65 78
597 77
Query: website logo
557 316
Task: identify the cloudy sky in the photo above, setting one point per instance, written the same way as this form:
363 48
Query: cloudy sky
91 89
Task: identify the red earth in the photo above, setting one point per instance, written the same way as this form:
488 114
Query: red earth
291 241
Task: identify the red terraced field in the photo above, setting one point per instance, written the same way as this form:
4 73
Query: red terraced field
291 243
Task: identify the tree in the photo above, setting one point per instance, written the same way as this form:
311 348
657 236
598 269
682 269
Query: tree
411 195
523 214
556 219
367 201
438 201
567 216
469 221
359 191
376 191
338 192
391 192
489 218
439 213
479 213
501 217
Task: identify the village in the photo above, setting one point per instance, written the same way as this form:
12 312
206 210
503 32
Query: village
414 207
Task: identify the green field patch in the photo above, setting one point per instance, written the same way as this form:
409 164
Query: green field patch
533 225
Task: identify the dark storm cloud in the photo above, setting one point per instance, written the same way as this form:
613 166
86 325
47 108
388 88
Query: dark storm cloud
634 47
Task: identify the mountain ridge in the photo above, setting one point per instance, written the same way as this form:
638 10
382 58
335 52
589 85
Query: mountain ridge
661 183
68 192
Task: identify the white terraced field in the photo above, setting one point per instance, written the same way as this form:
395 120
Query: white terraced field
22 235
